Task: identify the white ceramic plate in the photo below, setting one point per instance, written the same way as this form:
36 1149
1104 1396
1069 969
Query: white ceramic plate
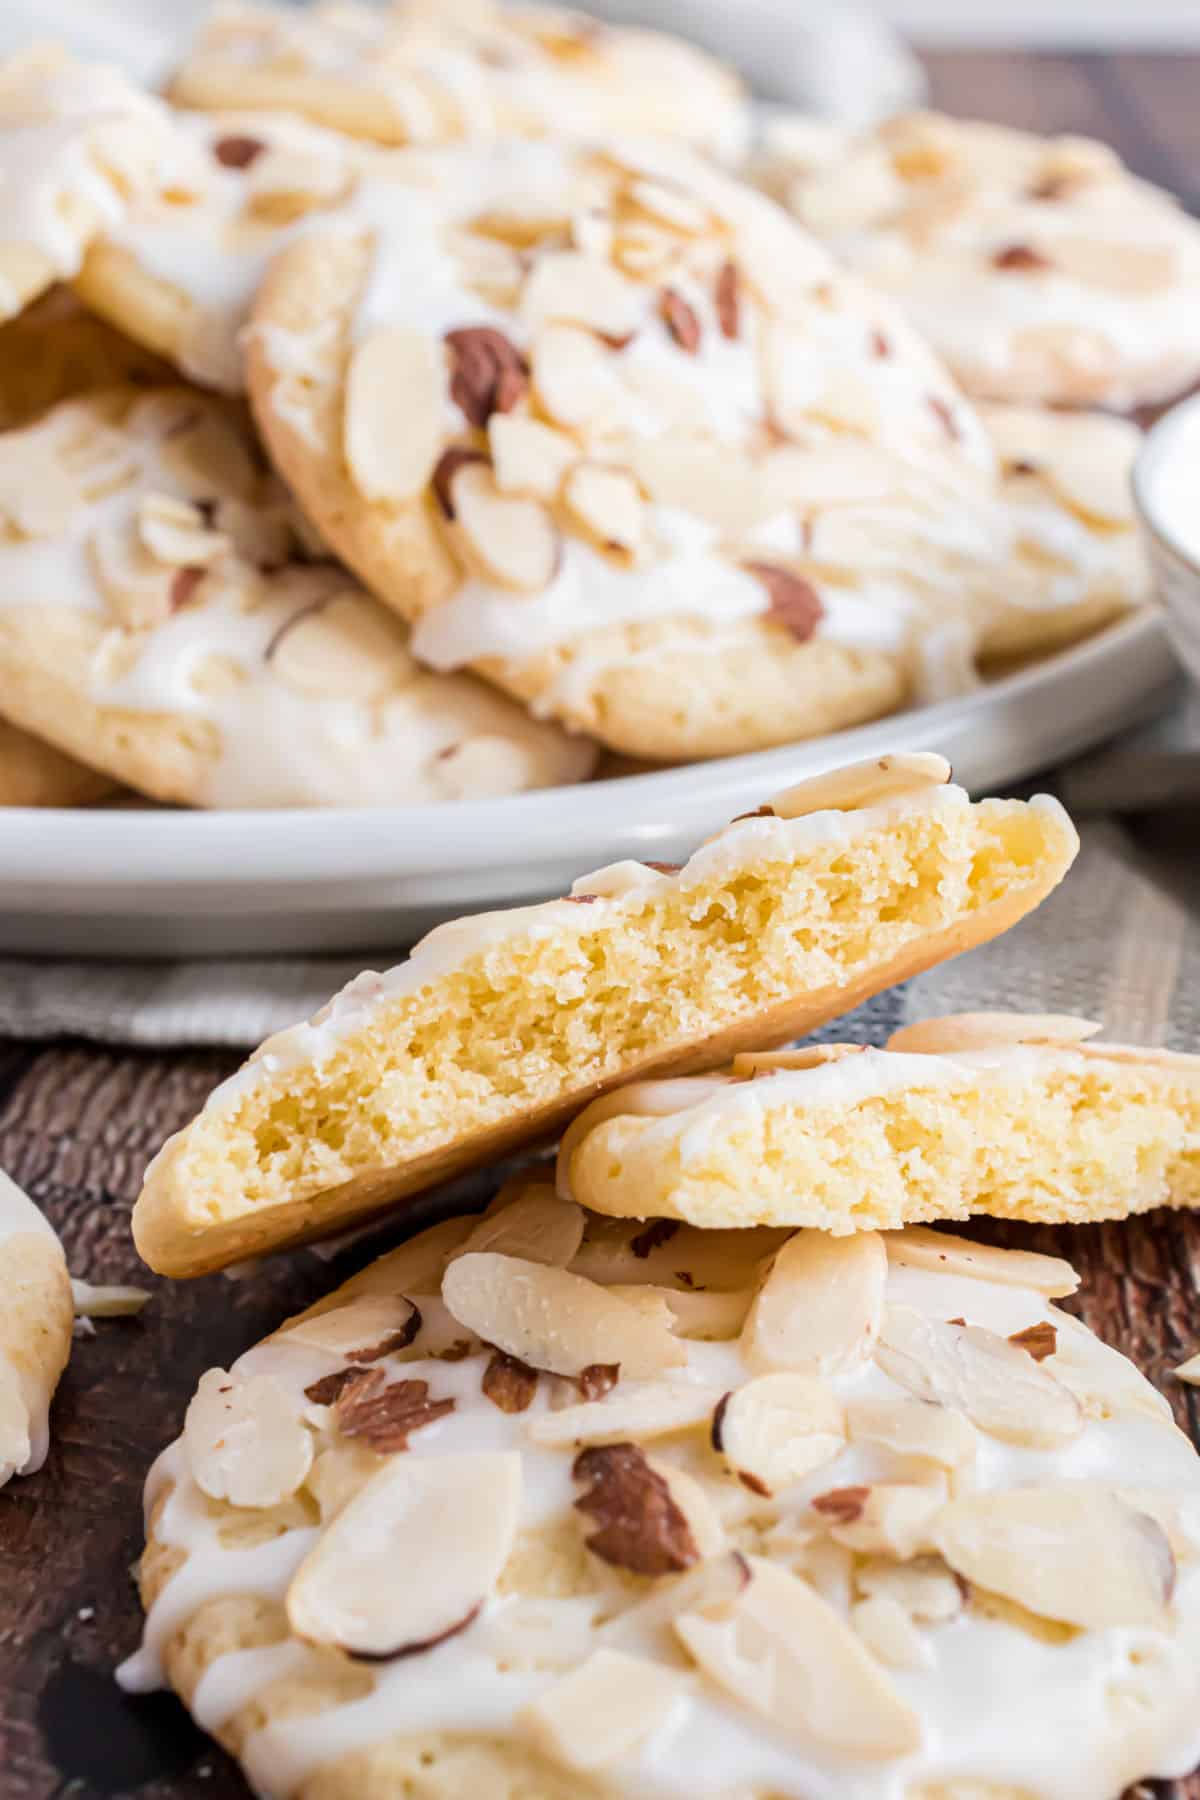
139 884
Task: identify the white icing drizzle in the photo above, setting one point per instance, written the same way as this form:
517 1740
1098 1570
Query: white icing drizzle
358 724
76 140
739 846
997 1705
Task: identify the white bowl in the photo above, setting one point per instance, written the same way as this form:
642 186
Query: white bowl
1166 489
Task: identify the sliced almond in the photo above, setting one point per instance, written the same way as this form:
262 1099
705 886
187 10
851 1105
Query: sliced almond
362 1331
862 784
777 1429
567 287
917 1247
514 540
395 413
108 1301
689 1496
889 1633
343 648
1189 1371
554 1320
985 1030
1085 460
1074 1553
923 1586
811 1056
1002 1389
245 1439
1138 269
671 205
601 1711
528 458
936 1434
820 1307
708 1316
638 1410
616 1250
606 502
707 1584
175 532
715 482
783 1652
574 380
888 1518
338 1474
449 1521
138 588
536 1226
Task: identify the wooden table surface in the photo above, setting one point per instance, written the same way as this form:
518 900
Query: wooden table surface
77 1124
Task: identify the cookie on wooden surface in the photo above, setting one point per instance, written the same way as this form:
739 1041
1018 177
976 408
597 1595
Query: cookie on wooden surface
36 1318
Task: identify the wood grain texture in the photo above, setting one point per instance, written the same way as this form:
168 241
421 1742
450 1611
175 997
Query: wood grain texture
78 1124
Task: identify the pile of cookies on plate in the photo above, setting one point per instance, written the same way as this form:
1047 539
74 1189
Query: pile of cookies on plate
436 406
700 1463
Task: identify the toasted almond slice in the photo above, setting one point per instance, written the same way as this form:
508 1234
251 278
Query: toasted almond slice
651 1302
889 1518
362 1331
554 1320
638 1410
923 1586
245 1439
451 1518
862 784
1074 1553
810 1056
601 1711
606 503
889 1633
708 1584
515 540
345 648
528 458
1189 1371
174 531
338 1474
820 1307
569 288
698 1511
777 1429
917 1247
107 1302
1001 1388
395 413
782 1651
573 377
671 205
913 1428
712 1317
617 1250
984 1030
1085 460
715 482
536 1226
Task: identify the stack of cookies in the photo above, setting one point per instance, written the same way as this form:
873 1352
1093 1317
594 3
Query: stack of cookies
700 1463
435 411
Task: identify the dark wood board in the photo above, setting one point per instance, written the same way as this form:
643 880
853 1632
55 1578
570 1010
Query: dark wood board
78 1123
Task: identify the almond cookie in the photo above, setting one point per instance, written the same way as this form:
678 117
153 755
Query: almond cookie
993 1113
540 1505
428 71
609 428
499 1027
56 350
158 621
179 270
36 1317
1039 268
76 142
33 773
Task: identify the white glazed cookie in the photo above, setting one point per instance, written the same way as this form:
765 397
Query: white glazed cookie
36 1318
1039 268
542 1507
994 1113
34 773
179 271
610 428
427 71
77 141
157 621
499 1027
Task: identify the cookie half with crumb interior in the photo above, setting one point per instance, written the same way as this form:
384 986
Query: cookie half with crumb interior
1015 1116
544 1505
498 1028
36 1319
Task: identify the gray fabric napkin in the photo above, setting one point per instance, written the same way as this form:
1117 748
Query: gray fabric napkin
1119 942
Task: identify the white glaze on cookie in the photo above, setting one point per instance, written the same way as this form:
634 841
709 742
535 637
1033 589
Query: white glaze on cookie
1047 1712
